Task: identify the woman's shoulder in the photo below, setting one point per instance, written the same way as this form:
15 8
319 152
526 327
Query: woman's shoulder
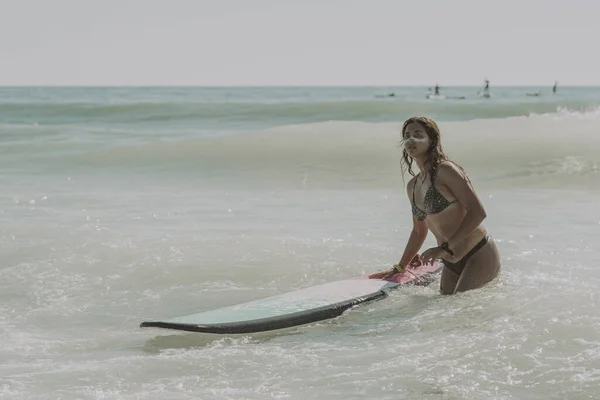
449 169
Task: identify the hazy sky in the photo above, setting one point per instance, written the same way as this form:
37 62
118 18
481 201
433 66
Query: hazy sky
299 42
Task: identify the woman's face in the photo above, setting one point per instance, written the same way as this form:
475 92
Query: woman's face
416 141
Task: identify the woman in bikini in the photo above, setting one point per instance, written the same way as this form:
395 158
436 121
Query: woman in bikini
445 203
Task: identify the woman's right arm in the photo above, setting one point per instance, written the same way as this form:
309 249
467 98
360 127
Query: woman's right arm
415 241
418 234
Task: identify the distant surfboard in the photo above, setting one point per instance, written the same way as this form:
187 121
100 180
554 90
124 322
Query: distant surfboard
435 97
304 306
441 97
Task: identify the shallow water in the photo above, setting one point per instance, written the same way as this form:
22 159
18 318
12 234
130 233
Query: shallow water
99 235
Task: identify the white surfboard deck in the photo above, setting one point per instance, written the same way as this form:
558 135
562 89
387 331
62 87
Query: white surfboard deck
294 308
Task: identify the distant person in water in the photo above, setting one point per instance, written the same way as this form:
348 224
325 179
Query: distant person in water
436 90
486 88
554 87
444 202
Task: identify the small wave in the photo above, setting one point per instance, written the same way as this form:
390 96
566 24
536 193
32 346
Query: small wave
555 148
588 112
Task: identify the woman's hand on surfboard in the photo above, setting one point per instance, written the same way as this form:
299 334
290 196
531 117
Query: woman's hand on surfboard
386 274
430 255
416 261
381 275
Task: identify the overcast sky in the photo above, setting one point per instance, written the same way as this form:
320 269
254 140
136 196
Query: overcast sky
299 42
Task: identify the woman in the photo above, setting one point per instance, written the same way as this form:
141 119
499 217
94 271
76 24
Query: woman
445 203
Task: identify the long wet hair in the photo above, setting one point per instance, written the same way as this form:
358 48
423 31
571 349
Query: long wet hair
435 153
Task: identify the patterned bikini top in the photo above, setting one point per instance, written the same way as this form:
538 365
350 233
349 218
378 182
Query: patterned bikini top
434 202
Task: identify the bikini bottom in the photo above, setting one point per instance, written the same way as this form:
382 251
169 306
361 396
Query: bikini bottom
460 265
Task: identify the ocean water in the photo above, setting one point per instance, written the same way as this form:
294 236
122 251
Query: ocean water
126 204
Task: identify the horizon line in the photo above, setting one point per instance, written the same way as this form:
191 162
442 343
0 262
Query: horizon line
282 86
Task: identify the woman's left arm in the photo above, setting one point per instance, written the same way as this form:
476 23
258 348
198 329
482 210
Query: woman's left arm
450 175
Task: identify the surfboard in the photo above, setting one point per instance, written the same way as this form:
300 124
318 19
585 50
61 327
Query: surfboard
299 307
436 97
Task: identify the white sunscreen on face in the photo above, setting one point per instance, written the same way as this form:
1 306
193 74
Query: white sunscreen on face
415 139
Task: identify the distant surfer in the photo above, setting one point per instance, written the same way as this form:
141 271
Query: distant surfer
444 202
486 88
436 93
554 87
